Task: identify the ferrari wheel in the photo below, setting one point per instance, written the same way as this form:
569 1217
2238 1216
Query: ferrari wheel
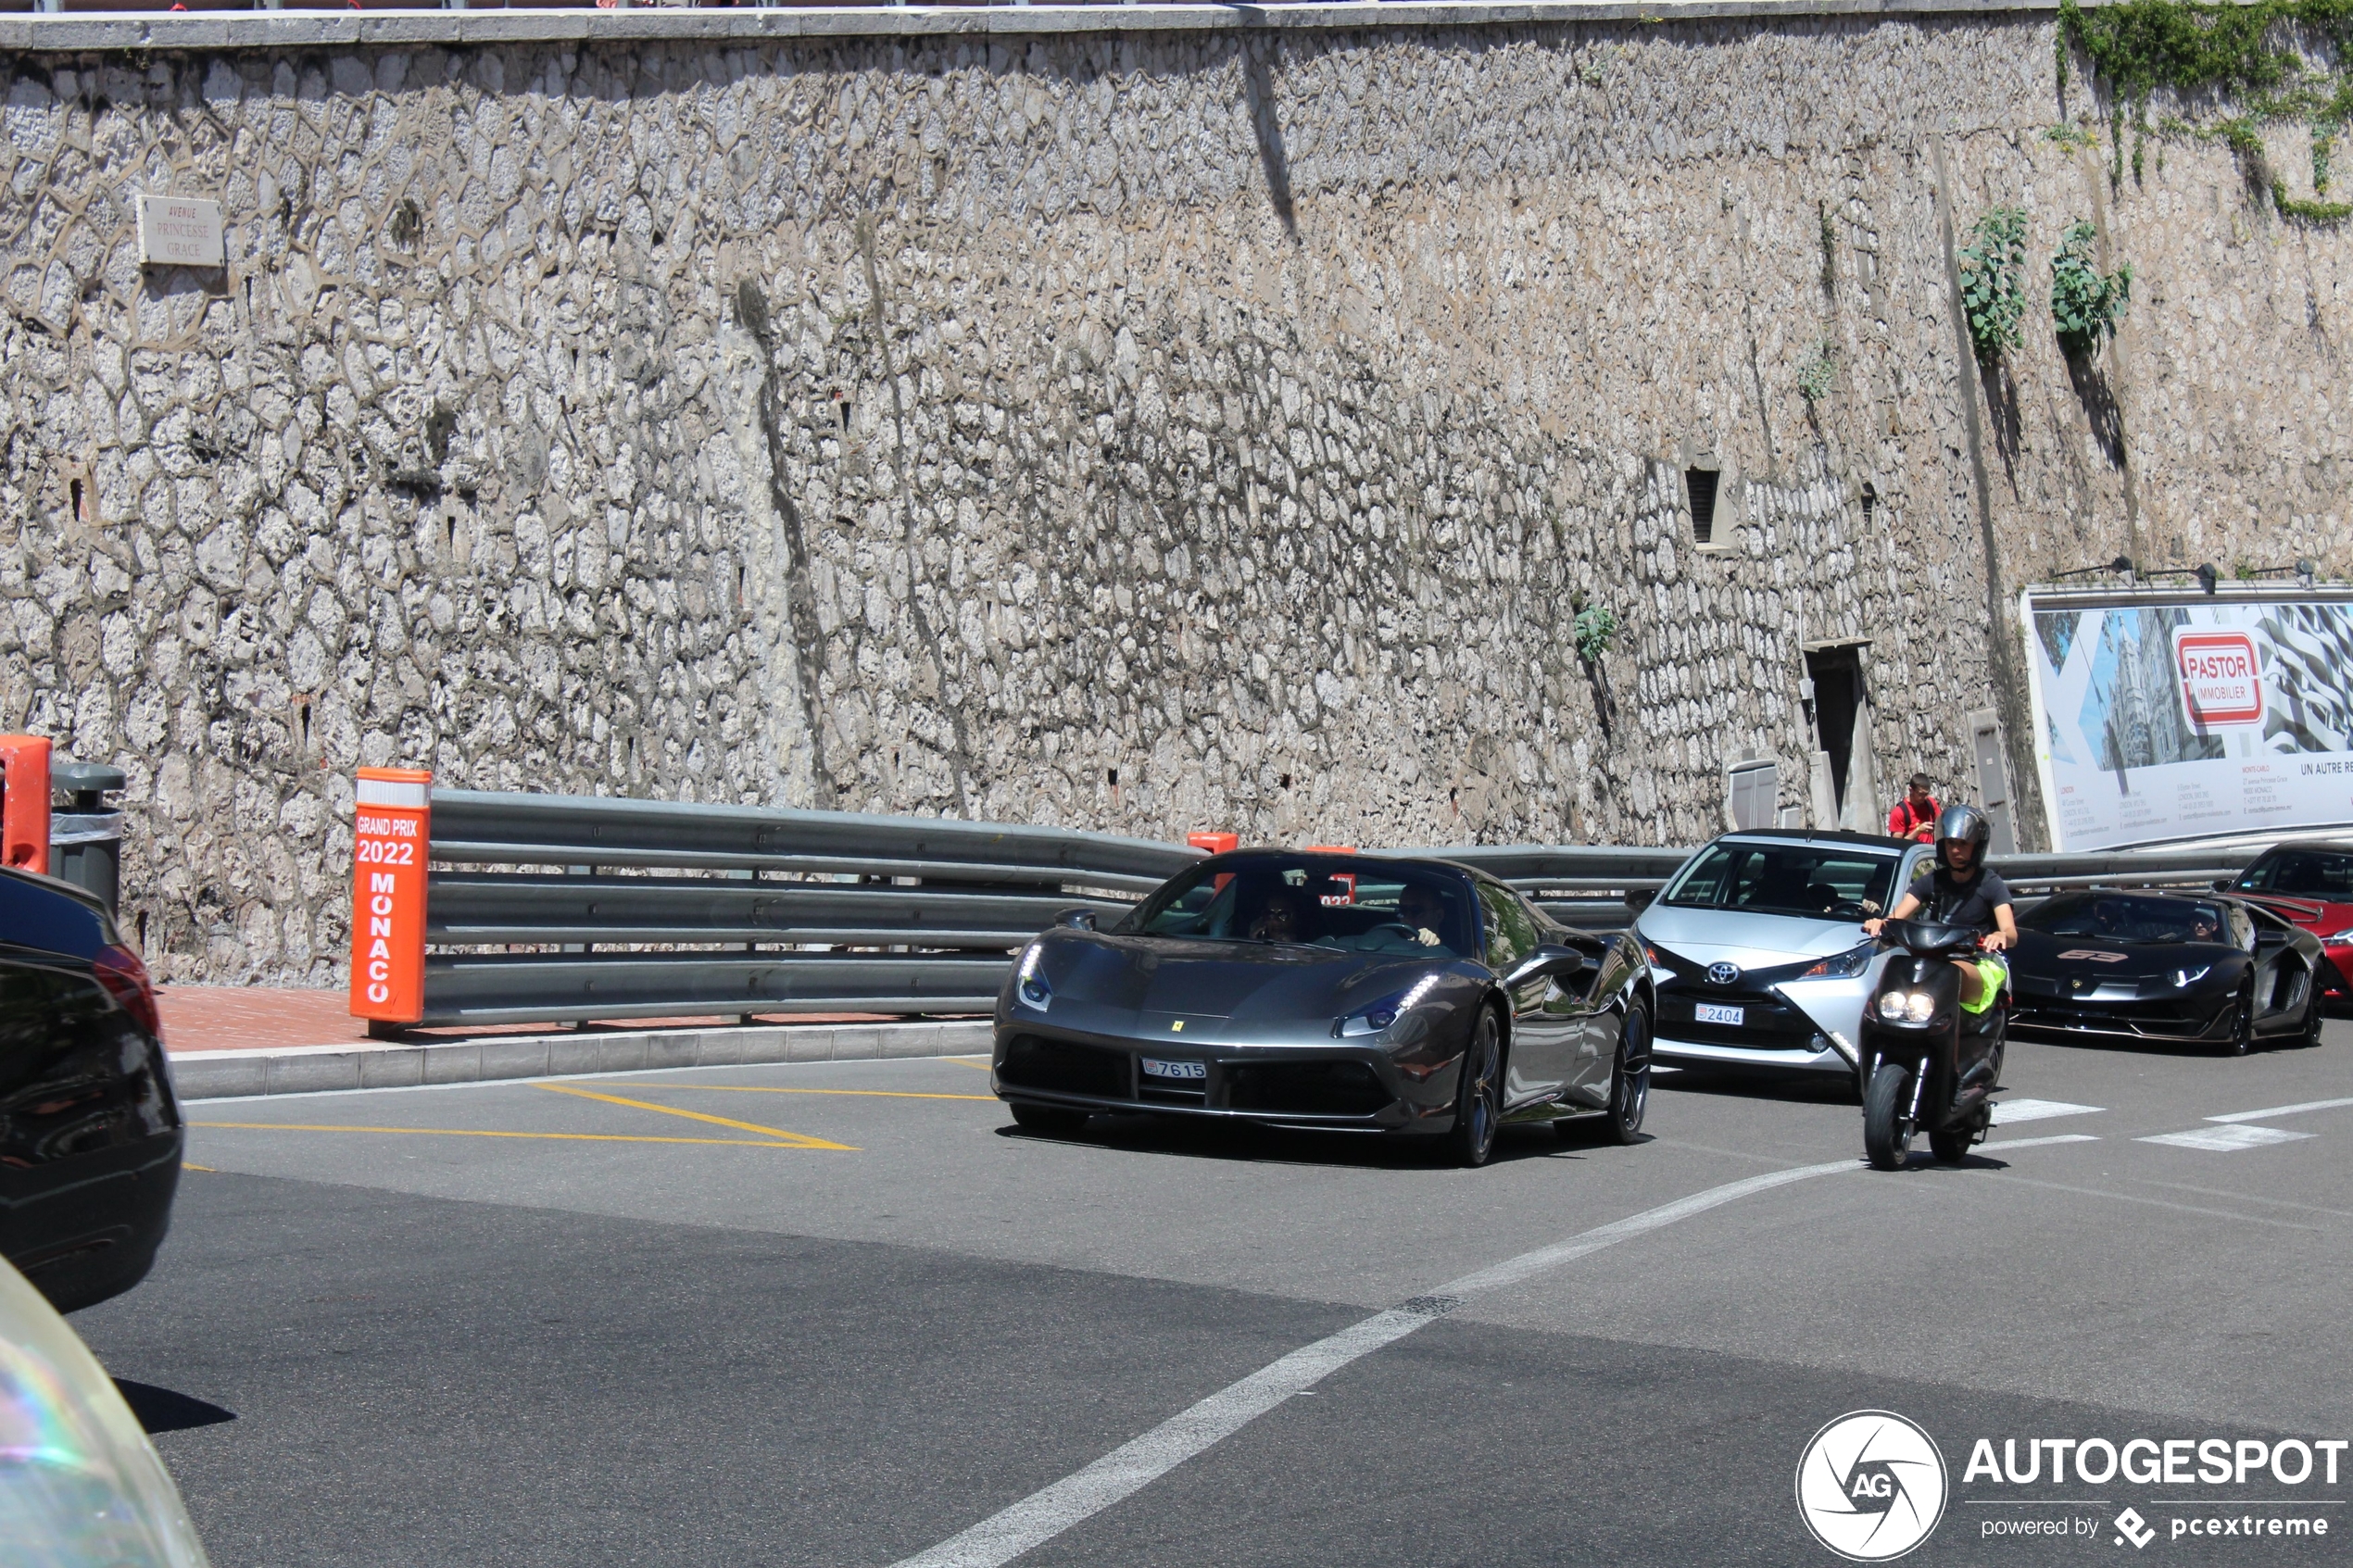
1480 1108
2242 1038
1047 1122
1629 1089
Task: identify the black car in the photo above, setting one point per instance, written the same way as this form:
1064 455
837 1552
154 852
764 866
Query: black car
2156 966
90 1134
1334 992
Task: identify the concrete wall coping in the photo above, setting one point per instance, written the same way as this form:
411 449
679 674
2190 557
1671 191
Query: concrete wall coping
184 32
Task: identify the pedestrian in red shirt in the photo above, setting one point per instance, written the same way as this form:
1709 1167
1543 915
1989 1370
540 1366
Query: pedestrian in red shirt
1915 815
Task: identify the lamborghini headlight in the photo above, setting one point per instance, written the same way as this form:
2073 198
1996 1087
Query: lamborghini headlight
2188 977
1029 985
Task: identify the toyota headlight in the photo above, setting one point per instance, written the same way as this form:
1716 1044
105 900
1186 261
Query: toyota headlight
1845 965
1387 1010
2187 977
1029 985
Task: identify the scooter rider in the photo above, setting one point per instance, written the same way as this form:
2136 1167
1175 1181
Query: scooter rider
1960 891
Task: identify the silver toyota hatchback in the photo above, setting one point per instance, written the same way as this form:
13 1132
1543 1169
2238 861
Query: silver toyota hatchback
1756 949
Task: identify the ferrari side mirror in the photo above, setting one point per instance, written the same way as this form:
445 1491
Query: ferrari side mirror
1547 963
1077 919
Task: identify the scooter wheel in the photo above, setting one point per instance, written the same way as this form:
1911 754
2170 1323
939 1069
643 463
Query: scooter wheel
1950 1144
1887 1139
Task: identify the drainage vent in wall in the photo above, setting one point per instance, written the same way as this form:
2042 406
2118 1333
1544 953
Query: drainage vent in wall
1701 486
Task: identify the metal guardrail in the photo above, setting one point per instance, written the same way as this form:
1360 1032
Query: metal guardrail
744 910
613 908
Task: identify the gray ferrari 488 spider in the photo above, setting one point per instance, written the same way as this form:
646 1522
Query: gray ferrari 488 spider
1334 992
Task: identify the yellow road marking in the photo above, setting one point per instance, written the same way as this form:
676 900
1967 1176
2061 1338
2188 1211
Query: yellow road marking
477 1133
770 1090
186 1165
963 1061
798 1140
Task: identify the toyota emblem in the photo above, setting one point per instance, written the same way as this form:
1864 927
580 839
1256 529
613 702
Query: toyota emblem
1723 973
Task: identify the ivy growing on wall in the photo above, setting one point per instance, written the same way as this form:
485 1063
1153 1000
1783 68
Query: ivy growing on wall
1993 284
2085 303
1818 374
2215 47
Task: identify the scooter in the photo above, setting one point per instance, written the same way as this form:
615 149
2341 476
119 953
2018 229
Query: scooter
1923 1062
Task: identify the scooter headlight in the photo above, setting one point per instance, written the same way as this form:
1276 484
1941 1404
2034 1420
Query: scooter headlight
1907 1007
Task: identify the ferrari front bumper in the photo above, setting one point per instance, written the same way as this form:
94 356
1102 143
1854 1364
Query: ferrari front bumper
1340 1088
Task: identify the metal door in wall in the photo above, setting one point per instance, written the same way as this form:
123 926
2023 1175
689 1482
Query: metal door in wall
1993 778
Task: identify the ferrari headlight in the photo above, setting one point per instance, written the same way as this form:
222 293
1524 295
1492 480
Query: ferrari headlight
1028 984
1386 1011
1907 1007
2185 977
2345 935
1845 965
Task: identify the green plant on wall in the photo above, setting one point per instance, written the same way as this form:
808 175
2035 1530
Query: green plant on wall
2205 49
2085 303
1816 376
1992 282
1595 628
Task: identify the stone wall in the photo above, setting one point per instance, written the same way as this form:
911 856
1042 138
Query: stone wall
1198 425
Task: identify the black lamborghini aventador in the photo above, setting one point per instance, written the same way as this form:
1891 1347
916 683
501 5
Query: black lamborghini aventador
2166 967
1333 992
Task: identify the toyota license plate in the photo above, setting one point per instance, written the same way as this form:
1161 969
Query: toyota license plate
1710 1012
1155 1068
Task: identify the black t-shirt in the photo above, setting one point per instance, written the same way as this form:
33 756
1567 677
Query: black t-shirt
1946 901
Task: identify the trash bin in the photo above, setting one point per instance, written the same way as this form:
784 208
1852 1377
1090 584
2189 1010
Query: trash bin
86 838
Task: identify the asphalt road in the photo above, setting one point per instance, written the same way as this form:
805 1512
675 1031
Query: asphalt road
839 1314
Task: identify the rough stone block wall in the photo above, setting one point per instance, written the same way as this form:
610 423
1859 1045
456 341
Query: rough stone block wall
1150 430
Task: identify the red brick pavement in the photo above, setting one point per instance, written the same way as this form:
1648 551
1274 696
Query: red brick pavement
221 1017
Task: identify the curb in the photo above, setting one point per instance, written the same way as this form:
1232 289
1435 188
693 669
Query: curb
309 1070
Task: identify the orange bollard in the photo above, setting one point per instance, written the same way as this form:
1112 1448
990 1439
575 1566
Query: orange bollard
24 802
392 836
1216 842
1345 879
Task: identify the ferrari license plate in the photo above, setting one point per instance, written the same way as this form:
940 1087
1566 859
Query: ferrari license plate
1711 1012
1156 1068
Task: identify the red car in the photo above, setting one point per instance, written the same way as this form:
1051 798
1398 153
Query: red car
2312 886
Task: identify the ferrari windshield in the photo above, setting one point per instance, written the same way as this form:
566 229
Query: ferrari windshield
1338 901
1817 881
2125 917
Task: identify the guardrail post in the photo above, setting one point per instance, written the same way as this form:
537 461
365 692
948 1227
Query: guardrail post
1216 842
24 802
391 845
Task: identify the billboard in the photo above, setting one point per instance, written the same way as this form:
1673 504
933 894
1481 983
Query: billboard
2168 716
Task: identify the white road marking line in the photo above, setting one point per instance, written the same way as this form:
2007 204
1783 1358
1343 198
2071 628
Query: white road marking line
1128 1468
2282 1110
2248 1197
1133 1466
2044 1142
2223 1140
2011 1111
2152 1203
